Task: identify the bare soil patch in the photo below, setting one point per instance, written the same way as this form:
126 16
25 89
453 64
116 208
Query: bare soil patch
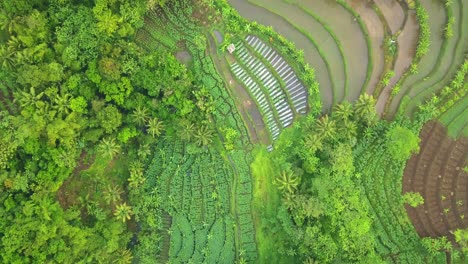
437 174
68 193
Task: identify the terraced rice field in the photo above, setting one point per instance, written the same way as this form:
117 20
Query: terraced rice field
406 23
335 42
439 65
437 173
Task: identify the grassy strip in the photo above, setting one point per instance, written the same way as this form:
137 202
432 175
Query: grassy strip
260 84
389 58
456 127
337 41
274 73
265 205
454 112
370 62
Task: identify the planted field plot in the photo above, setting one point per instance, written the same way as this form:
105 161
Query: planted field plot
209 196
438 174
397 240
271 82
197 189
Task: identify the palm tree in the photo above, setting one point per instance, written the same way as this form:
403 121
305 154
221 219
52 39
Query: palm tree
124 257
365 108
144 151
155 127
325 127
112 194
348 129
312 142
343 111
204 135
123 212
62 104
6 58
109 147
140 115
186 130
29 99
287 182
136 174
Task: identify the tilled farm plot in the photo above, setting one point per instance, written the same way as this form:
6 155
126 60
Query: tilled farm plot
438 174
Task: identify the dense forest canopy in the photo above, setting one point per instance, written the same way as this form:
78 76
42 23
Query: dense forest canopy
162 131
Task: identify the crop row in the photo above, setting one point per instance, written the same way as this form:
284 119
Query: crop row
294 87
269 82
395 233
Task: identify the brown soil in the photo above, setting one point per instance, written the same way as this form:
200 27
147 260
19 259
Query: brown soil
67 195
437 174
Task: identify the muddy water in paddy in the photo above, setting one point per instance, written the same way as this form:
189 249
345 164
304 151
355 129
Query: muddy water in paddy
376 35
316 31
351 37
393 13
282 26
407 42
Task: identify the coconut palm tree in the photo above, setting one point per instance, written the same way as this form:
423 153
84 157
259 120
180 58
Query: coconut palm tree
365 108
123 212
144 151
109 147
112 194
140 115
61 103
204 135
287 182
343 111
155 127
348 129
7 59
325 127
312 142
124 257
29 99
186 130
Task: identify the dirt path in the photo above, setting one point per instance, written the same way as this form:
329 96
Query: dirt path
246 106
437 174
376 35
407 41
